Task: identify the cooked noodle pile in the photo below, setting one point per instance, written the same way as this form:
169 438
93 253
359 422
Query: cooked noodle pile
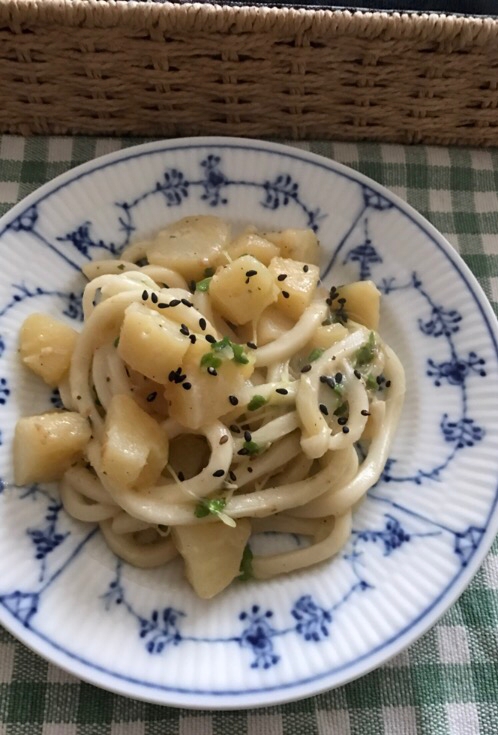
216 391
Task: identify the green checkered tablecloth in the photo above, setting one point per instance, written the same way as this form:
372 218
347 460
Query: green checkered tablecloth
447 682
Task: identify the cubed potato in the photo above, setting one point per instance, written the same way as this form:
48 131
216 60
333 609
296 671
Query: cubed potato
327 335
298 287
135 447
45 446
272 324
297 244
212 554
190 245
208 396
46 346
150 343
240 297
250 243
362 303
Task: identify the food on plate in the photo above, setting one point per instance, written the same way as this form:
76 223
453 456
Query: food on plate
216 391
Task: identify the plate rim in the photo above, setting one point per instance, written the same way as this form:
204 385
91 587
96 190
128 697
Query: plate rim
283 693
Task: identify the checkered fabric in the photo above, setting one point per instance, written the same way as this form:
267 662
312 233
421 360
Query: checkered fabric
447 682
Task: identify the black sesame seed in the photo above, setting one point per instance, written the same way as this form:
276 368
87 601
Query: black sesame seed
306 268
338 377
388 383
234 428
285 294
179 378
282 277
212 371
341 301
153 298
186 386
345 429
175 302
247 436
181 476
365 413
306 368
224 439
184 330
152 396
193 338
187 303
250 469
202 323
250 274
233 400
282 391
218 473
324 379
252 346
209 338
145 295
323 409
193 286
342 421
172 376
232 476
328 301
357 374
162 305
379 379
243 451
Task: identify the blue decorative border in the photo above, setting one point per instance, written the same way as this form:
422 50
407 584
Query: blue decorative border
311 619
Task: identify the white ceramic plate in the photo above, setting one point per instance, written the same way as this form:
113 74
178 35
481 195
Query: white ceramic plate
419 536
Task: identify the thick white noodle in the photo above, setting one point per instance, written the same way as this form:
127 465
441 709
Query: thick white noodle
127 547
330 539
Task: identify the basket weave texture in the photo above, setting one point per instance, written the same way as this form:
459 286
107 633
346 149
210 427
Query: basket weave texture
93 67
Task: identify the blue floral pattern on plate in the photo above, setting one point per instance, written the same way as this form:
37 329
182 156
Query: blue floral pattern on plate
260 633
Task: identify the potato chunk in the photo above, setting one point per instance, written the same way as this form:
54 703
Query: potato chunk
135 448
327 335
272 324
362 303
241 290
151 344
212 554
298 287
297 244
249 243
45 446
46 346
190 245
208 395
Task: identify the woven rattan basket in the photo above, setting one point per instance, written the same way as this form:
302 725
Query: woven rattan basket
93 67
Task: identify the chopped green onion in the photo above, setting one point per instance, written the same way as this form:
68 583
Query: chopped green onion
203 285
214 506
366 353
252 447
238 354
210 361
371 382
315 354
246 565
222 344
256 402
338 389
341 409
